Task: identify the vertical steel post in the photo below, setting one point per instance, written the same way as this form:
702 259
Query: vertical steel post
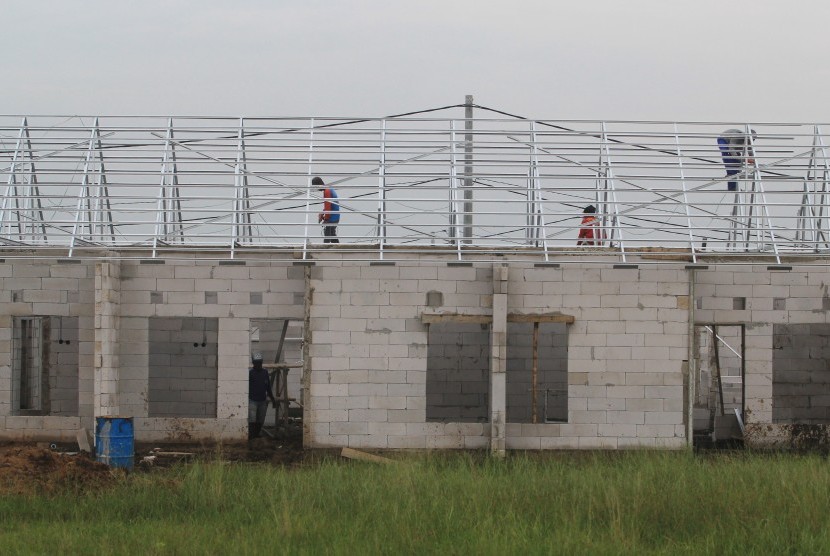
468 169
176 206
757 183
616 226
105 208
531 231
453 193
685 196
34 205
822 193
83 195
381 218
537 208
162 207
11 186
308 187
242 232
810 229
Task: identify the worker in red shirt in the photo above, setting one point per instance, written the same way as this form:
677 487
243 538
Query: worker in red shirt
589 232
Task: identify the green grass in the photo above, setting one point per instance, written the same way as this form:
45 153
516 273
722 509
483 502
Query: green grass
629 503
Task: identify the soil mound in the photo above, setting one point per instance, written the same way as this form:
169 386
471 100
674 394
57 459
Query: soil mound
30 470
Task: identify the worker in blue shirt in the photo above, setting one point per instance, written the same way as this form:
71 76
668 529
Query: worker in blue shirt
736 150
330 216
259 392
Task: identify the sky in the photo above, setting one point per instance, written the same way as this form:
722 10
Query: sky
678 60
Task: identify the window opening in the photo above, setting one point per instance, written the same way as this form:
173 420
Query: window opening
801 374
537 372
183 370
458 372
27 366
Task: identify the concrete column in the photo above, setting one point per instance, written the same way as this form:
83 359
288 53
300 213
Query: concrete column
107 302
305 381
690 370
498 362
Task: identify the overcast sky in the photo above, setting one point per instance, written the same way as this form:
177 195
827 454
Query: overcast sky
730 60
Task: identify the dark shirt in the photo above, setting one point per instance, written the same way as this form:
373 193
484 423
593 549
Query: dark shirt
259 385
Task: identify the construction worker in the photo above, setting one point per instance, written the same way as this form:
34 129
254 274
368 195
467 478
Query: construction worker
259 392
330 216
736 150
589 233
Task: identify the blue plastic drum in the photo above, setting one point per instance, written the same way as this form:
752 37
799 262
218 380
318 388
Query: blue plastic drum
114 441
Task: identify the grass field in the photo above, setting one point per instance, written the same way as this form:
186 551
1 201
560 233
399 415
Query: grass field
629 503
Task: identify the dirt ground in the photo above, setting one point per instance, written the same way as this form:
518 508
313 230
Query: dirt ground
42 468
280 451
29 469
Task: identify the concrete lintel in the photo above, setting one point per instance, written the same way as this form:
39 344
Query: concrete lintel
434 318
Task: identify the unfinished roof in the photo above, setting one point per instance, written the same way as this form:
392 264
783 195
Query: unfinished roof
465 179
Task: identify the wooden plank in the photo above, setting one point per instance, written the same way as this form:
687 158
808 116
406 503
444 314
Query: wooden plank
282 341
534 374
83 441
433 318
351 453
717 368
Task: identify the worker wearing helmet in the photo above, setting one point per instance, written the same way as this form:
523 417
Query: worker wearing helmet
259 392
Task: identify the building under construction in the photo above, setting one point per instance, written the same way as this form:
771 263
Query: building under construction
145 258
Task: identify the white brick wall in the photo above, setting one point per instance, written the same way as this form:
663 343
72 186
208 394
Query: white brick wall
369 347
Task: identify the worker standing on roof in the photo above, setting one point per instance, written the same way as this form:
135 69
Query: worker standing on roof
259 392
589 233
330 216
737 152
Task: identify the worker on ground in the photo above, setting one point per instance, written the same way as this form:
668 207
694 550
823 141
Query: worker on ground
259 392
737 152
330 216
589 233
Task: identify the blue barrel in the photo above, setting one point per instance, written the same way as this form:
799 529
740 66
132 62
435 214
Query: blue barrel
114 441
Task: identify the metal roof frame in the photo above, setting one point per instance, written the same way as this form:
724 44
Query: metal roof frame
506 187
